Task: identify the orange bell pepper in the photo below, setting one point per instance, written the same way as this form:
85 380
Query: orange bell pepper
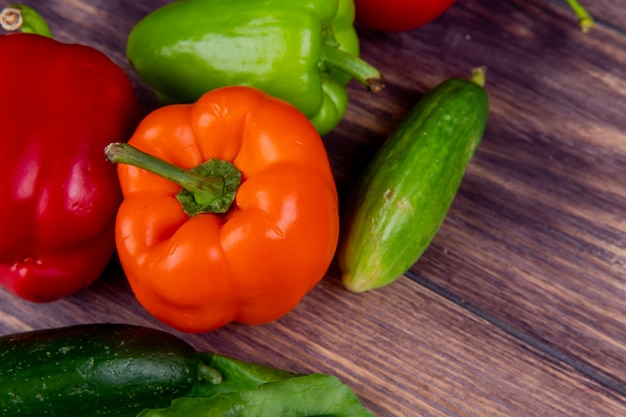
253 262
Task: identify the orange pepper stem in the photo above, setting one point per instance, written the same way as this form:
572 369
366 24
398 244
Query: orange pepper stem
208 188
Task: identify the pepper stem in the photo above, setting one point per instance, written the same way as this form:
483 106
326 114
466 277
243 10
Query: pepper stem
208 188
24 18
351 64
585 20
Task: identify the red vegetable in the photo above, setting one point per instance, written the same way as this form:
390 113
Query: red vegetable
398 15
60 105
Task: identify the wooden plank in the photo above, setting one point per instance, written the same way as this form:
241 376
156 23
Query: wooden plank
537 236
420 356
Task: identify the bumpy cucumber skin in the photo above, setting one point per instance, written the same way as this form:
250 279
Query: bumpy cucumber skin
93 370
396 208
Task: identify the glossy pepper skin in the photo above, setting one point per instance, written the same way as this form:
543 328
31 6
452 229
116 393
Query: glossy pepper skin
398 15
301 51
253 263
60 105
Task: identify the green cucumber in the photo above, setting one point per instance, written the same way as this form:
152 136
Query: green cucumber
397 207
95 370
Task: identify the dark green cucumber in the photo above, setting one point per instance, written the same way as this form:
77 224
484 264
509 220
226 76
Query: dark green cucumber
396 208
95 370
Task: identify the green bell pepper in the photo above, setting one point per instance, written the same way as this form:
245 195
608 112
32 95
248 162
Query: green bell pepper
304 52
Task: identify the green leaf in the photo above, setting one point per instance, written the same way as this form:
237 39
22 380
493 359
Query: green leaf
314 395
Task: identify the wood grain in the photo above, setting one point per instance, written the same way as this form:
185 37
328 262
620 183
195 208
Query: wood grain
543 203
517 307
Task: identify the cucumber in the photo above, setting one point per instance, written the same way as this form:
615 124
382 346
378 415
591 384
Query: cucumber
94 370
398 205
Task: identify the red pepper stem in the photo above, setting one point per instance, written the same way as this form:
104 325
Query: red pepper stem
585 20
208 188
24 18
351 64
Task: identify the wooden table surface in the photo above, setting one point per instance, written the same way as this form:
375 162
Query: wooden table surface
518 308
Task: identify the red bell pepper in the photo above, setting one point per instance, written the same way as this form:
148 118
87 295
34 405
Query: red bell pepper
60 105
403 15
398 15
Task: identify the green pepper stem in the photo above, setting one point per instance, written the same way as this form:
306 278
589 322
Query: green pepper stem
210 190
351 64
585 20
24 18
